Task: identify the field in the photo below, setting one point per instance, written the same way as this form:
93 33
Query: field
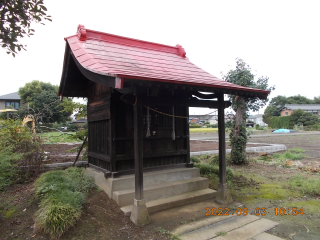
57 137
266 182
203 130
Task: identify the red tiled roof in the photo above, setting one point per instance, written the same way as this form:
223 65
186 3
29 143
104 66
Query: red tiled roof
112 55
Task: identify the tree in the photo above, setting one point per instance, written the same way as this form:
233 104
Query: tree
41 100
278 102
242 76
295 116
270 112
16 19
298 99
316 100
309 119
48 102
30 90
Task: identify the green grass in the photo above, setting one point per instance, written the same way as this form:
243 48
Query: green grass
291 154
203 130
61 194
305 185
57 137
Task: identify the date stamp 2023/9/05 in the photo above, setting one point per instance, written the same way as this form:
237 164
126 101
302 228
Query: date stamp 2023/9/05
257 211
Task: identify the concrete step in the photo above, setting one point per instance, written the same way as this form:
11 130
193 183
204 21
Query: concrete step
224 225
266 236
250 230
150 178
175 201
162 190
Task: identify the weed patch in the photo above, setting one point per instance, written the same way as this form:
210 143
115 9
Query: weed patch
208 169
167 233
293 154
61 195
305 185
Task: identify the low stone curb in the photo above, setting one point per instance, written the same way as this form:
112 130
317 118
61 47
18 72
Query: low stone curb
270 148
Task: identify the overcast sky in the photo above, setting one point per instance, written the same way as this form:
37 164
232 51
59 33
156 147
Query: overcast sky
278 39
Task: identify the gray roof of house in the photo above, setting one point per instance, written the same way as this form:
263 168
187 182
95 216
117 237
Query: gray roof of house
305 107
81 120
10 96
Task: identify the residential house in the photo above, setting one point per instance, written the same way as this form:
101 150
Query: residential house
255 119
11 99
289 108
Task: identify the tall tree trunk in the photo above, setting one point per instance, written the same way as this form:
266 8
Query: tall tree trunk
238 135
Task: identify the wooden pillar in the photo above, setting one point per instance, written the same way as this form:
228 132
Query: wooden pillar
139 213
138 151
223 194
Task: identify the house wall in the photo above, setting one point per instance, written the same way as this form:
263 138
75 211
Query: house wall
259 121
283 113
2 104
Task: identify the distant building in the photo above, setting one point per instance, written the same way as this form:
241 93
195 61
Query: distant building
212 119
80 122
289 108
255 119
11 100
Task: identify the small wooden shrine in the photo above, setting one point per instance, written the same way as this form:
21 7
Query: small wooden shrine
138 98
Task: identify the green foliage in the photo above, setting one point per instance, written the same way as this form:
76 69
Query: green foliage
72 127
195 126
16 19
17 150
30 90
242 76
61 195
309 119
289 155
238 145
194 159
208 169
277 103
42 101
269 112
280 122
70 106
294 117
315 127
305 185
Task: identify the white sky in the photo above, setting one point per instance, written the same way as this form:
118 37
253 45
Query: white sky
278 39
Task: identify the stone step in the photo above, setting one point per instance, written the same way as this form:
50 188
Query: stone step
250 230
224 225
266 236
175 201
150 178
163 190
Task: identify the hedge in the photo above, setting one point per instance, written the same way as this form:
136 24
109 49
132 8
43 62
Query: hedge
280 122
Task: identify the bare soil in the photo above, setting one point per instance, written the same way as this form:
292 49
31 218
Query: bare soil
61 152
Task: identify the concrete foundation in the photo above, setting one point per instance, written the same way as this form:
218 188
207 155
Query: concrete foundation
162 189
223 194
140 215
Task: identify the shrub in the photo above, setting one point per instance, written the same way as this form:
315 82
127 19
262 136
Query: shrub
194 159
72 128
61 195
195 126
280 122
20 154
